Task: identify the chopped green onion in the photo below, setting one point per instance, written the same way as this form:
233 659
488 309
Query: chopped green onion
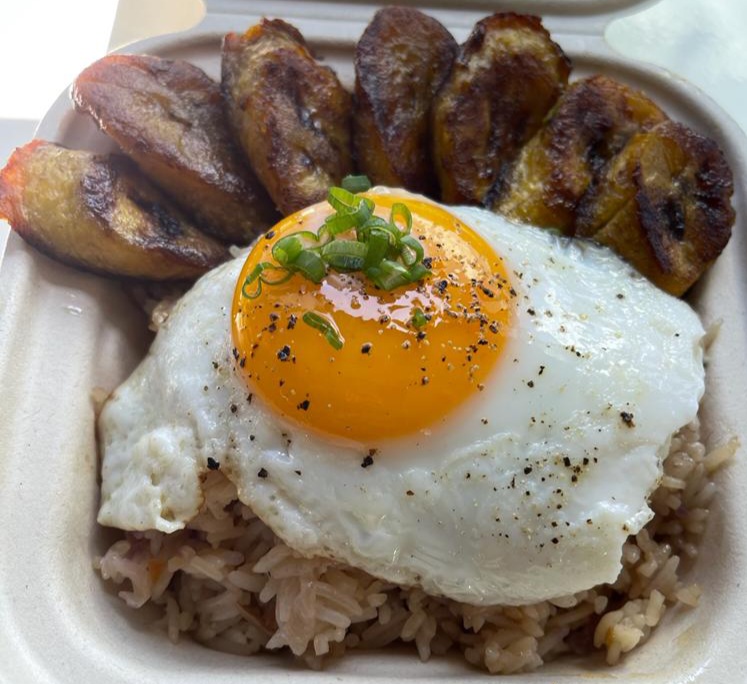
399 210
346 202
311 265
345 255
412 250
418 272
389 275
257 275
419 319
356 184
382 249
286 250
378 246
324 326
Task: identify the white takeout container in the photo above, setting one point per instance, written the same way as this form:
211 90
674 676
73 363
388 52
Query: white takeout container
64 333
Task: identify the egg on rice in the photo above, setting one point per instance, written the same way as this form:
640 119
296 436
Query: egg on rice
490 434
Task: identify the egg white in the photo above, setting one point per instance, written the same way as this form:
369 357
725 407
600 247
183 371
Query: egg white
526 493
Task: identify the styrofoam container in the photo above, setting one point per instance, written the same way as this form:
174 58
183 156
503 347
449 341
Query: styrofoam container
64 333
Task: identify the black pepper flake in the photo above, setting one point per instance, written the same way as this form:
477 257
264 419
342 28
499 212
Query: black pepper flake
484 421
424 380
252 438
541 370
235 353
249 398
234 408
292 321
269 235
367 461
304 405
427 262
366 348
420 335
554 540
212 464
262 473
627 418
530 383
242 363
284 353
215 365
567 462
527 470
409 492
531 311
620 295
297 472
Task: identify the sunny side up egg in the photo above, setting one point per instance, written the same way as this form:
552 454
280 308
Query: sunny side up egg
498 452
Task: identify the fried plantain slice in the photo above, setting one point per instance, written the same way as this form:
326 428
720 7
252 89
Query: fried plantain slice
592 122
664 205
97 213
401 60
290 113
507 76
168 116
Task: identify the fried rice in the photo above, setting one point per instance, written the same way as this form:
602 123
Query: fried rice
229 583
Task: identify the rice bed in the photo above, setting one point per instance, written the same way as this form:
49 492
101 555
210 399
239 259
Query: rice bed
227 581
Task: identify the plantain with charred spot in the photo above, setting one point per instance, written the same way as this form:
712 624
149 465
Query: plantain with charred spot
401 60
97 213
507 76
291 114
592 122
168 116
664 205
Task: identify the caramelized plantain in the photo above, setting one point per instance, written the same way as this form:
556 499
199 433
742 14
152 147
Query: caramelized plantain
401 60
507 76
663 205
97 213
168 116
592 122
291 114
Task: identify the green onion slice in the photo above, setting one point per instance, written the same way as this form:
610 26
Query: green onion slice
345 255
412 250
286 250
257 275
310 265
324 326
400 211
419 319
356 184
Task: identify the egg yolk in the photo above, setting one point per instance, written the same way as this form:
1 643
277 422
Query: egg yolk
409 356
